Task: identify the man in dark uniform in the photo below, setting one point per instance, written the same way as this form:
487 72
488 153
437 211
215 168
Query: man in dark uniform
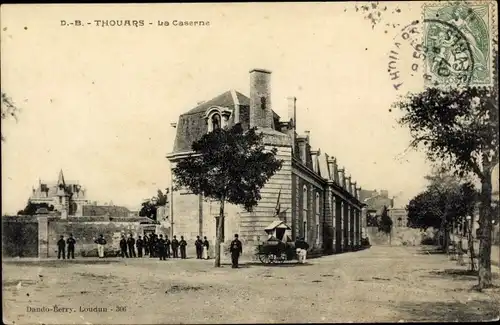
175 246
123 246
236 249
182 245
139 244
199 247
61 248
152 244
131 244
206 244
146 244
71 246
167 246
161 248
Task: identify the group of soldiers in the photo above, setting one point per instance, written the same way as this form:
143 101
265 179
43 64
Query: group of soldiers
152 245
163 248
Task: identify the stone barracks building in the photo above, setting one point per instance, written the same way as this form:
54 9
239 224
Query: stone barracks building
315 196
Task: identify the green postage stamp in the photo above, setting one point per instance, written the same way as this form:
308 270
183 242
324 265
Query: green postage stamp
458 38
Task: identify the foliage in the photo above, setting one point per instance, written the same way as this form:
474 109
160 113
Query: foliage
445 199
385 223
460 127
228 165
32 208
149 208
9 109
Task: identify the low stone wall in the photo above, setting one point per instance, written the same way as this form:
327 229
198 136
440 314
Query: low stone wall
400 236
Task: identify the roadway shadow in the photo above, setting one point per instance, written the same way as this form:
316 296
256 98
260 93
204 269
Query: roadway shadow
286 264
432 311
62 263
431 250
458 274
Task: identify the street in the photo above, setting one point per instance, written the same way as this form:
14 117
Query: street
379 284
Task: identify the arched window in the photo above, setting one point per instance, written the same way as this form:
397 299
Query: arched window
318 211
304 212
215 122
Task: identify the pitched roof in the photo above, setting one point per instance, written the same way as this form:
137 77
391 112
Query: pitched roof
192 125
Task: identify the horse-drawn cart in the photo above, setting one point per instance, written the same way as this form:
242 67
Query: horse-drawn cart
279 247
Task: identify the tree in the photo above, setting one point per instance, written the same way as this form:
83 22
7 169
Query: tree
228 165
149 207
385 224
9 109
32 208
460 127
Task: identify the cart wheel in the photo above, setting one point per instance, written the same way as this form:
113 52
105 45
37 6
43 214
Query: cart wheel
264 258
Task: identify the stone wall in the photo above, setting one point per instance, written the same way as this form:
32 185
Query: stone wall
20 236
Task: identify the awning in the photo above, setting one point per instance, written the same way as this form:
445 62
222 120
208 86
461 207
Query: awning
277 224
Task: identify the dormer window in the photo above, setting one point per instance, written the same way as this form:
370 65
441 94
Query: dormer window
217 117
216 122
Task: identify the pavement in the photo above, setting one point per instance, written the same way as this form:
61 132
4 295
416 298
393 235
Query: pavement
380 284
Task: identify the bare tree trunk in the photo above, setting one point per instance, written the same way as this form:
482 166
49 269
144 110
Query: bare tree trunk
471 243
485 228
218 240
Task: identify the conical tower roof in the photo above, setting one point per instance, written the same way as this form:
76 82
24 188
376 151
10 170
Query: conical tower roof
60 180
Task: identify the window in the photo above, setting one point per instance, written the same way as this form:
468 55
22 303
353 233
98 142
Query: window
216 122
304 211
318 211
263 102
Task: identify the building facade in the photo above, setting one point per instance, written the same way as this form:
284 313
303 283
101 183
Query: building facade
68 198
315 196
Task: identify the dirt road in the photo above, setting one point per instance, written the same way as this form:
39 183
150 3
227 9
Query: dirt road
375 285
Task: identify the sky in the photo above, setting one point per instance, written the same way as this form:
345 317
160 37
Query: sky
98 102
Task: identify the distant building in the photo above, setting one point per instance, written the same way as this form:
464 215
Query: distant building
103 210
399 217
67 197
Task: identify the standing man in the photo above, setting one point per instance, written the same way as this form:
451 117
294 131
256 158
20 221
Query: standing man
236 249
182 245
100 245
131 244
123 246
199 247
305 247
61 248
167 246
71 246
206 247
161 248
146 244
139 243
175 246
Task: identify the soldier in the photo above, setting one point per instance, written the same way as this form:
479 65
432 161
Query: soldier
131 244
199 247
71 246
161 248
140 244
236 249
182 245
206 247
152 244
146 244
175 246
100 245
61 248
123 246
167 246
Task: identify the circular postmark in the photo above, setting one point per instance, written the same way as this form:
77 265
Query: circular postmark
449 58
431 53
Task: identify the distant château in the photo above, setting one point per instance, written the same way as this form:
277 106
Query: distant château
67 197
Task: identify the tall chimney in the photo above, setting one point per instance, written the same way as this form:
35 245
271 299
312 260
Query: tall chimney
292 111
354 192
341 177
261 114
349 184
